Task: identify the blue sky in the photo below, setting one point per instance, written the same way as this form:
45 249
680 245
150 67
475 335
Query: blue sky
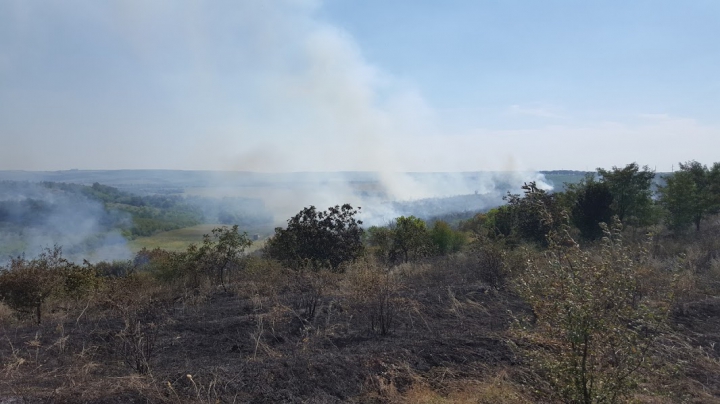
651 55
310 85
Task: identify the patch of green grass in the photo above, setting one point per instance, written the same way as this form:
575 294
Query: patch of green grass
173 240
180 239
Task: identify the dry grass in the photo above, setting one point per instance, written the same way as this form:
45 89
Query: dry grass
7 315
499 389
447 339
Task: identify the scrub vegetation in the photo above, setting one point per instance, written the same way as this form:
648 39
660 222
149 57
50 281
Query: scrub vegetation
606 292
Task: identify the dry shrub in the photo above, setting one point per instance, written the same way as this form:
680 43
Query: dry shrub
267 324
388 382
27 286
277 296
693 260
126 389
491 265
704 264
685 287
263 277
420 271
374 292
205 388
713 276
465 305
132 292
680 370
495 263
12 362
497 390
140 301
137 344
687 283
307 289
656 280
445 271
6 314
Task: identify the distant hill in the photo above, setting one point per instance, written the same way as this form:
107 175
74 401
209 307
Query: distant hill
83 218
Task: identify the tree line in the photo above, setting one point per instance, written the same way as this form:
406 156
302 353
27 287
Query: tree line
681 200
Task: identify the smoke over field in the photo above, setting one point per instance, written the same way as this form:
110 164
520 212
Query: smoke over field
94 221
38 216
384 196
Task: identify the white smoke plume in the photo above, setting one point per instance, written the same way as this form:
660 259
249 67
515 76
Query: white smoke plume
264 86
34 217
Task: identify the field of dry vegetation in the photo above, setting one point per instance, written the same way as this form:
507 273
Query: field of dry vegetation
468 327
599 294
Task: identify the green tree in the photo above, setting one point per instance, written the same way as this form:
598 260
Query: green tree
500 223
690 194
714 184
523 218
590 203
222 251
318 239
411 239
532 224
631 189
380 240
475 225
445 239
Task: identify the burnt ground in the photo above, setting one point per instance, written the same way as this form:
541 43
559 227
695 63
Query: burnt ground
243 347
236 347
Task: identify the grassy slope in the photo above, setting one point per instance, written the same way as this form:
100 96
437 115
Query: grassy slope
178 240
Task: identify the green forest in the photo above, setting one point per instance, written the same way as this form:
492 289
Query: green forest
605 292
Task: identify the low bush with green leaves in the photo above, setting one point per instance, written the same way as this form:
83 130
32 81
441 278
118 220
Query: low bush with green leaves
592 328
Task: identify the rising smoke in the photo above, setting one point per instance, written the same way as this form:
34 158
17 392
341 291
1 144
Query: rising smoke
36 216
262 86
269 86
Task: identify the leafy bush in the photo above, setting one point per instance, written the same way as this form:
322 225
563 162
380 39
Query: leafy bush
528 218
25 285
491 264
405 240
445 239
590 205
221 252
80 281
593 328
380 240
316 239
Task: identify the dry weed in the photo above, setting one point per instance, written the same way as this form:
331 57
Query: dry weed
496 390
